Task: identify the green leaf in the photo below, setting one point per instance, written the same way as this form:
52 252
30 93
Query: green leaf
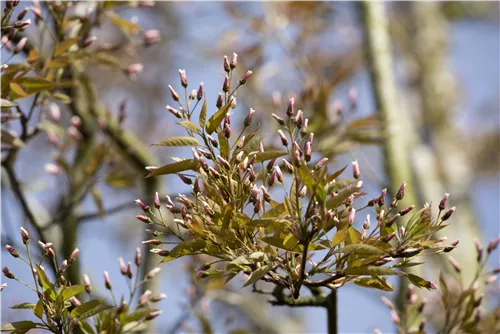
268 155
62 97
64 45
371 270
89 309
47 285
189 125
36 84
7 104
258 274
19 326
203 114
444 291
86 327
312 183
23 306
71 291
275 211
217 118
38 310
291 244
361 249
185 248
336 174
339 236
380 283
175 167
137 315
178 141
127 27
419 281
8 138
337 200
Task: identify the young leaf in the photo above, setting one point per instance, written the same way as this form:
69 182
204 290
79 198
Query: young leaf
47 285
419 281
38 310
203 114
175 167
70 291
19 327
23 306
372 270
268 155
64 45
217 118
336 174
83 310
178 141
258 274
189 125
380 283
361 249
339 236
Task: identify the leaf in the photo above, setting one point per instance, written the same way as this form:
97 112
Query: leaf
419 281
85 310
371 270
71 291
189 125
62 97
38 310
203 114
258 274
275 211
291 244
7 104
336 174
120 179
314 185
216 119
374 283
19 327
268 155
18 90
185 248
97 198
178 141
339 237
337 200
444 290
137 315
23 306
175 167
127 27
47 285
64 45
86 327
36 84
10 139
361 249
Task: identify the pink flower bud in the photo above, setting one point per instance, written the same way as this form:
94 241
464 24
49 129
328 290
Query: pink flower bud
11 251
279 174
152 315
299 119
89 41
154 242
174 111
123 267
248 119
157 201
227 68
406 210
22 14
353 97
307 151
20 45
442 204
448 214
234 61
257 207
199 94
183 77
159 251
284 141
151 37
74 255
144 219
22 24
265 194
303 130
387 302
278 119
159 297
245 77
493 245
395 317
219 102
74 133
290 110
138 257
143 206
153 273
433 286
133 70
272 178
381 199
107 281
88 285
355 169
320 163
455 264
151 168
288 166
225 85
174 94
143 299
25 235
350 218
392 220
52 169
366 224
3 286
63 266
6 271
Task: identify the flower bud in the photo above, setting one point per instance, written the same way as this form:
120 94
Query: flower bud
159 251
86 282
299 119
153 273
442 204
174 112
257 207
22 14
245 77
381 199
288 166
74 255
353 97
279 174
144 219
303 192
290 109
143 299
448 214
138 257
183 77
307 151
248 119
219 101
272 178
153 314
25 235
154 242
406 210
151 37
174 94
143 206
392 220
401 192
366 224
387 302
395 317
479 250
351 216
201 91
159 297
225 85
6 271
320 163
234 61
493 245
227 68
22 24
133 70
123 267
63 266
89 41
284 141
455 264
11 251
355 169
278 119
107 281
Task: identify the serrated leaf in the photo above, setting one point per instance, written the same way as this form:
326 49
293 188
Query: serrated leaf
268 155
64 45
258 274
23 306
178 141
217 118
175 167
7 104
189 125
19 326
380 283
203 114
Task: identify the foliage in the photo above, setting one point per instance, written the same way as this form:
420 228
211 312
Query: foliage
232 216
61 311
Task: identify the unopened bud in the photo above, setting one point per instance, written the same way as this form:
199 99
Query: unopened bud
133 70
366 224
350 218
299 119
442 204
74 255
288 166
63 266
151 37
89 41
86 282
143 206
278 119
284 141
448 214
406 210
392 220
153 273
107 281
123 267
290 109
493 245
174 112
6 271
248 119
25 235
174 94
22 24
307 151
12 251
234 61
219 101
199 94
401 192
245 77
183 77
355 169
320 163
152 315
455 264
138 257
227 68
